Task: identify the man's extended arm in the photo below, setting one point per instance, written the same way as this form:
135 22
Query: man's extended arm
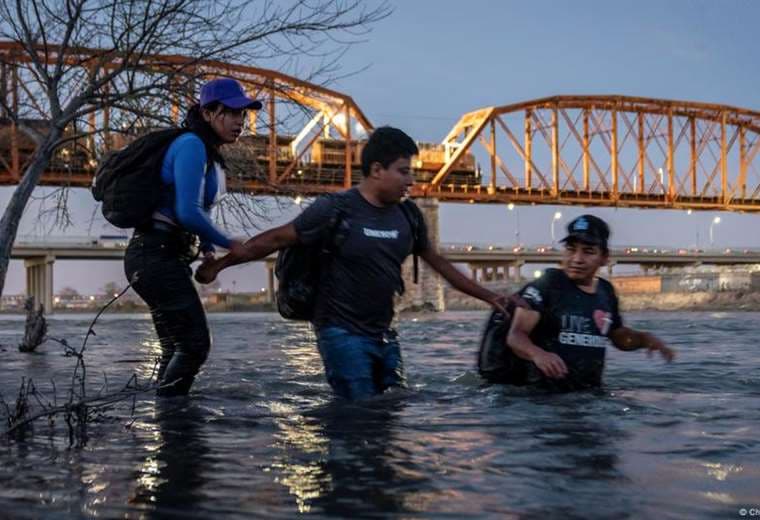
460 282
518 339
629 339
255 248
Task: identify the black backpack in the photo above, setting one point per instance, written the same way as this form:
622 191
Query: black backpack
128 181
298 268
496 361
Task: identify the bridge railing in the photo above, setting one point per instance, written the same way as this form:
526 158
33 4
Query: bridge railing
631 250
103 241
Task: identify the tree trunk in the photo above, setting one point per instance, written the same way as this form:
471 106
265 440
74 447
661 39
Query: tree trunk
36 327
12 215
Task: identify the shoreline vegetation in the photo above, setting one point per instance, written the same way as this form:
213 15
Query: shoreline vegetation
693 301
748 301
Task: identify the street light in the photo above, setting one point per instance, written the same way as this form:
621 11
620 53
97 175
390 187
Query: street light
716 220
696 229
557 216
511 207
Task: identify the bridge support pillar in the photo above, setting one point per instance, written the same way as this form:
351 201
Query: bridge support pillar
428 292
39 280
507 272
516 276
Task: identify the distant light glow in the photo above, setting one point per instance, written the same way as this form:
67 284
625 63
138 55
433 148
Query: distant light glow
340 119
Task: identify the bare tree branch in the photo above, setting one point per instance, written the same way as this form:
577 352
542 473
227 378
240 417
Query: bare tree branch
138 58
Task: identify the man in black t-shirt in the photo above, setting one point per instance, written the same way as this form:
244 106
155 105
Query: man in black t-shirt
354 306
571 315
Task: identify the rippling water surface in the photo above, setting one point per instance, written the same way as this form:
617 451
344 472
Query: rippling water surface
261 435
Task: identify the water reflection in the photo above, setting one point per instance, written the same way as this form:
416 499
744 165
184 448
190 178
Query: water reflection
369 470
147 367
578 441
302 449
172 476
586 441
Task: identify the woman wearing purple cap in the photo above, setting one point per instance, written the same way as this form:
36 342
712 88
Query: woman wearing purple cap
159 254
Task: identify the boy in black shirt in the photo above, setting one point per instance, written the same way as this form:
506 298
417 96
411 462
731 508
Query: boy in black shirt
354 305
571 315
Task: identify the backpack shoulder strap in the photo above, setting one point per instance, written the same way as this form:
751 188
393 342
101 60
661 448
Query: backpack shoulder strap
331 237
413 217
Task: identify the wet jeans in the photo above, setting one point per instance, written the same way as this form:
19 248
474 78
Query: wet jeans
357 366
157 264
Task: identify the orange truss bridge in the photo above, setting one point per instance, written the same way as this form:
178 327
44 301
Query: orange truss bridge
609 150
591 150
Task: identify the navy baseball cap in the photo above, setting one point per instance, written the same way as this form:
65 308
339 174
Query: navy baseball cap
589 230
229 93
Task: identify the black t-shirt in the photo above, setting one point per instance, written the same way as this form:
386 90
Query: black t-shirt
357 287
574 324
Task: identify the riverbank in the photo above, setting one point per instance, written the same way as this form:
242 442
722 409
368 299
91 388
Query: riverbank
696 301
131 308
693 301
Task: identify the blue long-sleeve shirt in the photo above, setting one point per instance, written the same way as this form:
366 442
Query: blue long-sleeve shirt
195 189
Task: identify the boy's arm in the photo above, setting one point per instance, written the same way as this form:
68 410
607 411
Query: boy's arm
461 282
518 339
255 248
629 339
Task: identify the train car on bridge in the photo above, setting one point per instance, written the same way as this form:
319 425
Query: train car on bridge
73 157
324 163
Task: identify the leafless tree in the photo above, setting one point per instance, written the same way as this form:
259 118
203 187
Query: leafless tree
79 407
136 57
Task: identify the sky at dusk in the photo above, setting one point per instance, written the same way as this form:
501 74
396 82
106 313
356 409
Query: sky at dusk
431 61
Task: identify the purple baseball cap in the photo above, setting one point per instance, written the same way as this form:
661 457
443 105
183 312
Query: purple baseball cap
229 93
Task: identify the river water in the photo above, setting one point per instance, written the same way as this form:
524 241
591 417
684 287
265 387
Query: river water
261 435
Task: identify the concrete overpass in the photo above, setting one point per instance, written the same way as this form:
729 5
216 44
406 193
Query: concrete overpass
486 262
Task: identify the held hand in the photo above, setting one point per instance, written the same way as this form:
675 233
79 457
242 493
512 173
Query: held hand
551 365
654 344
499 303
206 272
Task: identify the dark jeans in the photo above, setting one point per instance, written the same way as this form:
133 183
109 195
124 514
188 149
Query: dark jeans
357 366
157 264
